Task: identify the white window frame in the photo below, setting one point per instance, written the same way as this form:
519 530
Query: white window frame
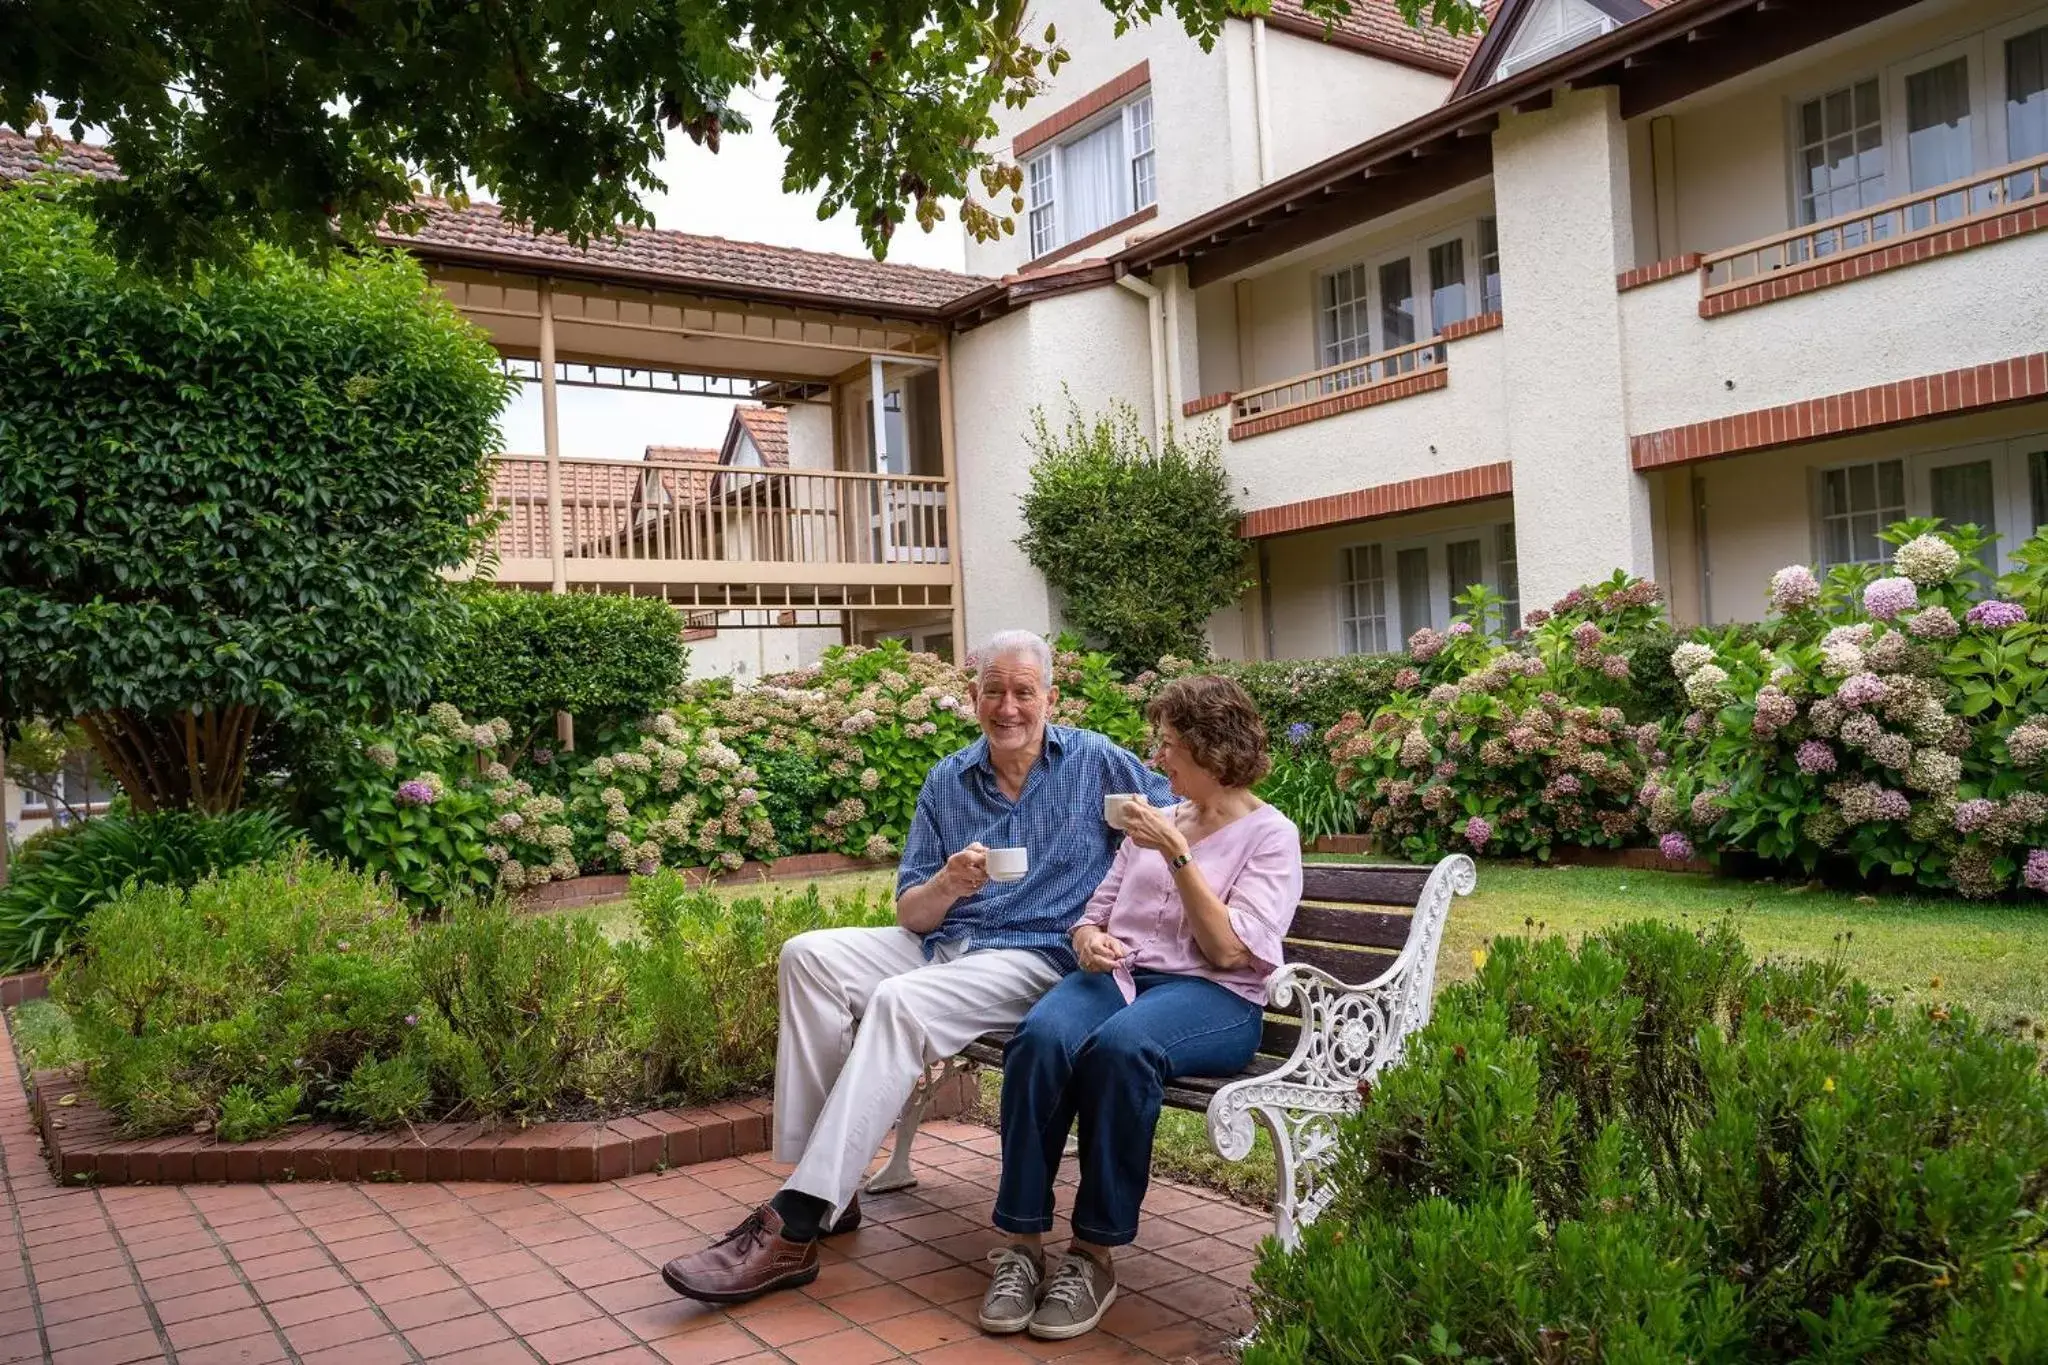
1416 252
1985 52
1044 170
1489 534
2012 491
1819 516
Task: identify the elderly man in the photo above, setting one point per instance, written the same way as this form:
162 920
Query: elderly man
969 956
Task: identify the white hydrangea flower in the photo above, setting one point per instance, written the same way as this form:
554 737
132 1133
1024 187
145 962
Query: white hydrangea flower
1927 560
1707 686
1690 657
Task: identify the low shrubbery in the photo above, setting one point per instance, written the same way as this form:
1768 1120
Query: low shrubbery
1653 1148
65 873
300 989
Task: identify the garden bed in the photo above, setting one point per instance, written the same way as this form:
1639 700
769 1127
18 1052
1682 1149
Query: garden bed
1565 855
580 892
83 1145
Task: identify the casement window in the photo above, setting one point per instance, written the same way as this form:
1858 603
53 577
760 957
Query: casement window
1552 27
1391 589
1940 117
1407 296
2000 487
1105 171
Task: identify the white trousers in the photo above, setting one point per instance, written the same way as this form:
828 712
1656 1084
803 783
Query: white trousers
838 1088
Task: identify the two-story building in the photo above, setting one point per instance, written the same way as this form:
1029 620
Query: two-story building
1691 288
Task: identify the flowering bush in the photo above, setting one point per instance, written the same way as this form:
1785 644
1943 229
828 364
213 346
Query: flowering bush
1896 722
1514 748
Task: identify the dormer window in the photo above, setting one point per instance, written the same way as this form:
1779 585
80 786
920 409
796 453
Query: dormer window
1552 27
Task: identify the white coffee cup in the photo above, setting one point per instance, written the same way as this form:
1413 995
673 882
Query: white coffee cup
1008 864
1113 804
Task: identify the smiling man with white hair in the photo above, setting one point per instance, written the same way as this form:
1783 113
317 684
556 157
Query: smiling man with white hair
865 1010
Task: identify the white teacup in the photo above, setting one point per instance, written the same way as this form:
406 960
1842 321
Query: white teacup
1113 804
1008 864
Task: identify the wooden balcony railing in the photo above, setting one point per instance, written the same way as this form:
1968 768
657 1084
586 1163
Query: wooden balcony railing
628 510
1873 229
1362 373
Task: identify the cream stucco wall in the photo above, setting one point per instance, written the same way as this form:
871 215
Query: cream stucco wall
1090 347
1732 144
746 655
1325 98
1977 306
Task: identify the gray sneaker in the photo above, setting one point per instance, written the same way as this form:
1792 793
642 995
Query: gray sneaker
1075 1298
1013 1293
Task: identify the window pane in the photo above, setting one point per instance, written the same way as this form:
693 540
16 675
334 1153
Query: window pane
1964 494
1462 565
1411 569
1397 305
1365 601
1510 584
1891 489
1144 187
1862 488
1093 182
2037 476
1489 265
1044 228
1840 156
1938 135
1343 320
2026 96
1855 504
1447 285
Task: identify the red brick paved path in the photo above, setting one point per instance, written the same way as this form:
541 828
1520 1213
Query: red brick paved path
332 1274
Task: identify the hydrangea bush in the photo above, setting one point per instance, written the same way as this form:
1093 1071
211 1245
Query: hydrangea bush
1899 721
1508 748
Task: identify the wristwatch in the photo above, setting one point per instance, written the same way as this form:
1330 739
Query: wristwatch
1176 864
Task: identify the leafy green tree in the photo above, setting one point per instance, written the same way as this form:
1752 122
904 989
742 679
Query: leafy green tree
1141 545
226 503
300 122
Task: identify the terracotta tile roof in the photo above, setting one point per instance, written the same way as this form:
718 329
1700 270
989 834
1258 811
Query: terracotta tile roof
20 158
713 264
1377 24
682 454
600 496
768 428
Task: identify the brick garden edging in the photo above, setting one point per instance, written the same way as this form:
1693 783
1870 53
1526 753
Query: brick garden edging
23 986
1568 855
581 891
81 1144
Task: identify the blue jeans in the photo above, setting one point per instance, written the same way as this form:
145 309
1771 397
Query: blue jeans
1083 1053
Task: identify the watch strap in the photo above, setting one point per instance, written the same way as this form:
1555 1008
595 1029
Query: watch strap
1178 863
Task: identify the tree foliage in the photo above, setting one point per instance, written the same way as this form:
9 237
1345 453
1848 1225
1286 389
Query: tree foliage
1141 545
227 502
295 123
604 658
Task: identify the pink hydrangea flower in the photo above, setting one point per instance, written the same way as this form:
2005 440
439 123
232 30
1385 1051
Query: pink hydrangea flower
1478 832
1675 847
1424 645
2035 877
1893 805
1995 615
1861 689
1888 597
1972 815
1459 628
1816 757
1935 623
1794 588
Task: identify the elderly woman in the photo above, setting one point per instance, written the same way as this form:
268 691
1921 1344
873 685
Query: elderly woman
1174 950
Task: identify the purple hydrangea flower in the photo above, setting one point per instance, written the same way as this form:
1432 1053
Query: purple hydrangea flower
1585 635
1675 847
1816 757
1614 666
543 755
1477 832
1888 597
1794 588
1424 645
1935 623
1972 815
1459 628
414 793
2036 874
1861 689
1893 805
1995 615
1568 785
1406 678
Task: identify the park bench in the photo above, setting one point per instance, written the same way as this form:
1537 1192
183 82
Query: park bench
1324 1036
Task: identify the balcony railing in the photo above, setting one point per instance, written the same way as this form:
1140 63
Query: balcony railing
1873 229
663 514
1362 373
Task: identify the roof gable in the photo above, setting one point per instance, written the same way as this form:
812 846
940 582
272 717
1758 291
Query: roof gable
765 429
1525 33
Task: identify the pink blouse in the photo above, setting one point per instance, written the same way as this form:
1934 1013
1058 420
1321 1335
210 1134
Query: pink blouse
1253 864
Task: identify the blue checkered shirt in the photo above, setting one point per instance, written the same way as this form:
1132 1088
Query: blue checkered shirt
1058 818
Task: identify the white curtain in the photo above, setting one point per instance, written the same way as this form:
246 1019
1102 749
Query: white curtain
1095 184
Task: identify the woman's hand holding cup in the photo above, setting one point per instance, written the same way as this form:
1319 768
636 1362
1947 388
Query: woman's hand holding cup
1153 828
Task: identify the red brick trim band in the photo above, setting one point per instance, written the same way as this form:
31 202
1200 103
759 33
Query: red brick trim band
82 1144
1208 402
1687 264
1387 391
1095 238
579 891
1472 327
2019 380
1385 500
1829 271
1082 109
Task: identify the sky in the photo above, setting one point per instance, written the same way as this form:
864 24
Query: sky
737 194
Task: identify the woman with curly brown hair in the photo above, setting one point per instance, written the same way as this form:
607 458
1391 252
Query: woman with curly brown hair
1174 948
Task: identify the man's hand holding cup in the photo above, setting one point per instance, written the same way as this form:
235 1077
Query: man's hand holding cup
966 872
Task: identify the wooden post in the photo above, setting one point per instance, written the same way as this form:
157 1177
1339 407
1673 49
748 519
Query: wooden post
950 466
551 436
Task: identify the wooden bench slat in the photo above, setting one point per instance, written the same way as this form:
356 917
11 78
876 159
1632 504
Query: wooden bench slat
1279 1038
1359 884
1356 928
1352 966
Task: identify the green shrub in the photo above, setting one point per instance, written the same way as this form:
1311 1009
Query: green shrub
1303 786
1140 543
1898 725
61 876
225 502
1653 1149
299 989
605 658
1291 692
44 1034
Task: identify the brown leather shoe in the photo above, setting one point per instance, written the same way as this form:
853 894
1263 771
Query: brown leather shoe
751 1260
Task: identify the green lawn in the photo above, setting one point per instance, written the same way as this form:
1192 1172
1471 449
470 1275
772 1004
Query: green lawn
1990 959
